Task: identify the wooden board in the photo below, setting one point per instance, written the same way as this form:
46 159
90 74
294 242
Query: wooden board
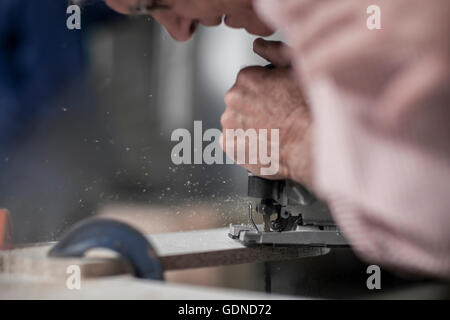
5 230
181 250
213 247
119 287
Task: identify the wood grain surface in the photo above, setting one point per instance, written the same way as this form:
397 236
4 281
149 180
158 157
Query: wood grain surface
180 250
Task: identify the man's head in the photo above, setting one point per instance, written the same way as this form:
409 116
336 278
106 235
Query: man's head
181 17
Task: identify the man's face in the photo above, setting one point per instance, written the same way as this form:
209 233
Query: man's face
181 17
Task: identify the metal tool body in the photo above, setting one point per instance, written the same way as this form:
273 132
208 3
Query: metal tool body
292 216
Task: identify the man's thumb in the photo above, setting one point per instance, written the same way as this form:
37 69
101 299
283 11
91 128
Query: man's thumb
276 52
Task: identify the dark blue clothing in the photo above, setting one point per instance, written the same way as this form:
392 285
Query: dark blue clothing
38 55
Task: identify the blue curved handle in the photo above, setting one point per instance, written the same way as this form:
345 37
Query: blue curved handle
116 236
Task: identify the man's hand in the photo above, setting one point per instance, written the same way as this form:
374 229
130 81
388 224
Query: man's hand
270 98
181 17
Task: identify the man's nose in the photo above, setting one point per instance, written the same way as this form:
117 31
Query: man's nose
184 29
180 28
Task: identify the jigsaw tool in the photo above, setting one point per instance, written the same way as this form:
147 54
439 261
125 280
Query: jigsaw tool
292 216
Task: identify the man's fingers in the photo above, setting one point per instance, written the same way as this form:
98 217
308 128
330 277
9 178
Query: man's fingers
251 78
275 52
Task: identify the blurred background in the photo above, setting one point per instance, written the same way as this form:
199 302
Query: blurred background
87 115
85 123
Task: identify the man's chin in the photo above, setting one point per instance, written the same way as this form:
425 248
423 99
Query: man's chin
261 32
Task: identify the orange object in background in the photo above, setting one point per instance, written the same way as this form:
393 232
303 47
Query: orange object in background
5 230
